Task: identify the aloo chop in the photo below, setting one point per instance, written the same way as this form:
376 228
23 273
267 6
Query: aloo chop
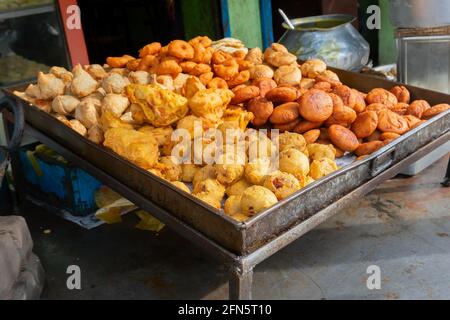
201 103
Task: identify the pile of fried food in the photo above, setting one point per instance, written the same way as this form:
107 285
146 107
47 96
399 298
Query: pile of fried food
133 105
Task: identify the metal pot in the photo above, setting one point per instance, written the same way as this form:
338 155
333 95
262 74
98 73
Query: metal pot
331 38
419 13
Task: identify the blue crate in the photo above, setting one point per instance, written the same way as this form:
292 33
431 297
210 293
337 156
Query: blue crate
58 183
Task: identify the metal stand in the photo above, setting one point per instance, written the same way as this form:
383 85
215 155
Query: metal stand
446 182
240 284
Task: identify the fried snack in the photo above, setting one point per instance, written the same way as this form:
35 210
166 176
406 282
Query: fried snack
206 77
78 127
115 83
281 94
139 77
115 103
203 40
138 147
412 121
188 171
244 93
232 205
389 136
284 127
192 86
282 184
435 110
181 185
401 93
168 67
343 116
379 95
389 121
87 112
64 105
66 76
306 83
418 124
152 48
256 171
305 126
360 102
322 167
181 49
311 136
294 161
202 54
217 83
257 198
312 68
285 113
319 151
264 85
82 85
210 191
343 138
377 107
277 55
237 188
210 103
261 71
291 140
96 135
207 172
170 169
261 108
108 120
255 55
365 124
368 148
241 78
349 96
161 107
316 105
322 85
400 108
229 168
417 108
288 75
227 69
119 62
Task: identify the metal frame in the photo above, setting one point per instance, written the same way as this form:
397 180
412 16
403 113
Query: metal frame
240 266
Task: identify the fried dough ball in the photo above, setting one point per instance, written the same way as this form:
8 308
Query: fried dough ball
192 86
277 55
294 161
264 85
232 205
181 185
115 103
210 191
217 83
343 138
255 55
202 54
168 67
229 168
343 116
164 81
66 76
210 103
152 48
282 184
316 105
377 107
348 95
286 127
401 93
368 148
170 169
318 151
312 68
417 108
291 140
241 78
322 167
82 84
261 71
87 112
227 69
207 172
389 121
237 188
64 104
288 75
400 108
285 113
435 110
360 102
261 108
96 135
305 126
412 121
281 94
139 77
203 40
311 136
189 122
188 172
244 93
379 95
115 83
388 136
180 49
255 171
255 199
365 124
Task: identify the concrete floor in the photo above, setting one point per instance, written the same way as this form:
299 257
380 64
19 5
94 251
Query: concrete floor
403 227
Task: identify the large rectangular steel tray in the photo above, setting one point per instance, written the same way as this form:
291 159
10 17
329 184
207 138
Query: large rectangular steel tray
244 238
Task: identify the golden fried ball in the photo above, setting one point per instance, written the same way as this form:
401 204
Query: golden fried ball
322 167
256 171
230 168
318 151
181 186
282 184
232 205
170 169
237 188
188 171
291 140
294 162
207 172
255 199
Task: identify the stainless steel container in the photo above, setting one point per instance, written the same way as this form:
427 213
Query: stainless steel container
331 38
419 13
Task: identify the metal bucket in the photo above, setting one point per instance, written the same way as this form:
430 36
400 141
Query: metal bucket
420 13
331 38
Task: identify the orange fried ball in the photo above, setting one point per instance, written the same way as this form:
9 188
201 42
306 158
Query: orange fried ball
389 121
417 108
285 113
261 108
401 93
343 138
380 95
180 49
316 105
282 94
435 110
365 124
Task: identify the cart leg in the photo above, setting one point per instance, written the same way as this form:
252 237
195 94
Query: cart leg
240 284
446 182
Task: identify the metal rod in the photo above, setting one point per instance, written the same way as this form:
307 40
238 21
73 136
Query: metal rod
240 284
286 19
446 182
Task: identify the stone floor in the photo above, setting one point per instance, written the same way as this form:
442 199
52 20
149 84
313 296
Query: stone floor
403 227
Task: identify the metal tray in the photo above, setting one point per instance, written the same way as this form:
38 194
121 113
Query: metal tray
244 238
